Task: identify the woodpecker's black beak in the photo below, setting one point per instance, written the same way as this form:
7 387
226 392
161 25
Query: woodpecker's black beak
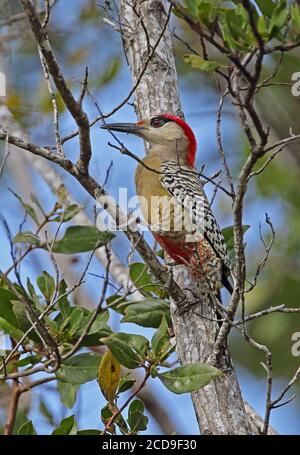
130 128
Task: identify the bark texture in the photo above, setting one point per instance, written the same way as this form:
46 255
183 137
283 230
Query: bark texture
219 406
142 28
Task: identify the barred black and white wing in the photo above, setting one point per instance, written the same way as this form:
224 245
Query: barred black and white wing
185 186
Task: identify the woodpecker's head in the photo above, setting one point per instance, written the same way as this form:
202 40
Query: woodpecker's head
164 130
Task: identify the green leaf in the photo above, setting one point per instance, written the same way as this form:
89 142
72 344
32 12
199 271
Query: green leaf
24 322
262 28
29 360
136 418
199 63
128 349
295 13
12 364
178 13
72 322
266 6
68 214
105 414
121 424
161 341
66 427
32 292
193 6
8 320
204 10
27 429
63 302
188 378
52 326
279 19
46 285
237 33
67 393
118 303
6 309
28 208
98 330
125 383
112 69
228 37
95 338
228 235
142 278
80 368
100 322
36 201
76 318
79 239
27 237
148 313
9 329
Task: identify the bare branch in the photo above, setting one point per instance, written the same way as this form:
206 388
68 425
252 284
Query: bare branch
73 106
2 166
268 248
220 145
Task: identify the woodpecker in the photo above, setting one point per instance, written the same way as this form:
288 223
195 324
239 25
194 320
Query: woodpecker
173 202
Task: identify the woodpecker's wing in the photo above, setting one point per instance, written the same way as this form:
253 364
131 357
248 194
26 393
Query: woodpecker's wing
185 186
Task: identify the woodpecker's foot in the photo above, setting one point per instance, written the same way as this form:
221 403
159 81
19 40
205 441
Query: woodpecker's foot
169 266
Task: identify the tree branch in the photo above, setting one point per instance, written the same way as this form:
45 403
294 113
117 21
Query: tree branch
73 106
219 407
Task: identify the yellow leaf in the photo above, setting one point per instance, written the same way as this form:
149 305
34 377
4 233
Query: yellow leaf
109 375
62 193
78 56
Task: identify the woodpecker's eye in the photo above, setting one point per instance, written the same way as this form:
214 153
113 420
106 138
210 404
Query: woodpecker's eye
157 122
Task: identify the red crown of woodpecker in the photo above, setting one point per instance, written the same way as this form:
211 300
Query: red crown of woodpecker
192 148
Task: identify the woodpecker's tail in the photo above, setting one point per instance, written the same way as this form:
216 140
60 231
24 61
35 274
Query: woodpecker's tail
226 279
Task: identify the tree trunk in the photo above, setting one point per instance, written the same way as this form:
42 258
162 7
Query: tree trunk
219 406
